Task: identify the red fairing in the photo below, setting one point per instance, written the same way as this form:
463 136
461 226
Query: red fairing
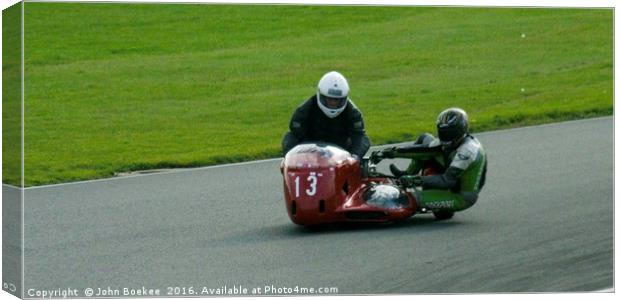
323 184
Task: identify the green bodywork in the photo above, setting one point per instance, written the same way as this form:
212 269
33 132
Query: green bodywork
469 180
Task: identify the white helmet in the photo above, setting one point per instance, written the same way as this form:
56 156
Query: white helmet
333 87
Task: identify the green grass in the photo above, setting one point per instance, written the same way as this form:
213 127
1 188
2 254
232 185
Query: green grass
121 87
11 95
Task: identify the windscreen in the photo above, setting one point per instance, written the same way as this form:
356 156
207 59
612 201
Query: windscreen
385 196
325 150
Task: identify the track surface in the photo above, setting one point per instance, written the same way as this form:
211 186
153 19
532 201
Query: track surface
544 222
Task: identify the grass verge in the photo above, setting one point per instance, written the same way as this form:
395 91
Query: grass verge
121 87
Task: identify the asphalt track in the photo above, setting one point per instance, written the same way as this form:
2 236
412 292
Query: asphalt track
543 223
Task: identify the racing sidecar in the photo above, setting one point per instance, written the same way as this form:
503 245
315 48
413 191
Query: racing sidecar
324 183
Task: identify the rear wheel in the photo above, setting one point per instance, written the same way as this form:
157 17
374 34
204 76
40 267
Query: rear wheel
443 214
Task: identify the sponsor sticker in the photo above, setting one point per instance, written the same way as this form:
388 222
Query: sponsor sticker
463 156
440 204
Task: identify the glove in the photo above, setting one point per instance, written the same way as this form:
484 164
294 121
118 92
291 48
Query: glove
389 152
411 180
376 157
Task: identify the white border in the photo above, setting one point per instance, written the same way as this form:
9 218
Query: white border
22 193
486 3
503 3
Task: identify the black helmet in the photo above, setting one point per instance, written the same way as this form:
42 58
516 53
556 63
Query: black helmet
452 126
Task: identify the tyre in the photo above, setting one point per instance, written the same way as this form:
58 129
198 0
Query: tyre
443 214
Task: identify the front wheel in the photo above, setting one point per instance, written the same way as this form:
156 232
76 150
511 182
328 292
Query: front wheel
443 214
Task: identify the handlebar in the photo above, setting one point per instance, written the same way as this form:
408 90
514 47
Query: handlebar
369 169
376 156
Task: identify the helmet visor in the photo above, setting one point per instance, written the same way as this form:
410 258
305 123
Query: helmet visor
449 134
332 103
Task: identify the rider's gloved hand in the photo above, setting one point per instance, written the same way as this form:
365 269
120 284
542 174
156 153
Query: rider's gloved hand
376 157
411 180
389 152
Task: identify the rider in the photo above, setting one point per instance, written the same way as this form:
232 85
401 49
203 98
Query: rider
329 116
459 156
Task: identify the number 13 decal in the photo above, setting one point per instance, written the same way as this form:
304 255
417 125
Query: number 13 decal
312 178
